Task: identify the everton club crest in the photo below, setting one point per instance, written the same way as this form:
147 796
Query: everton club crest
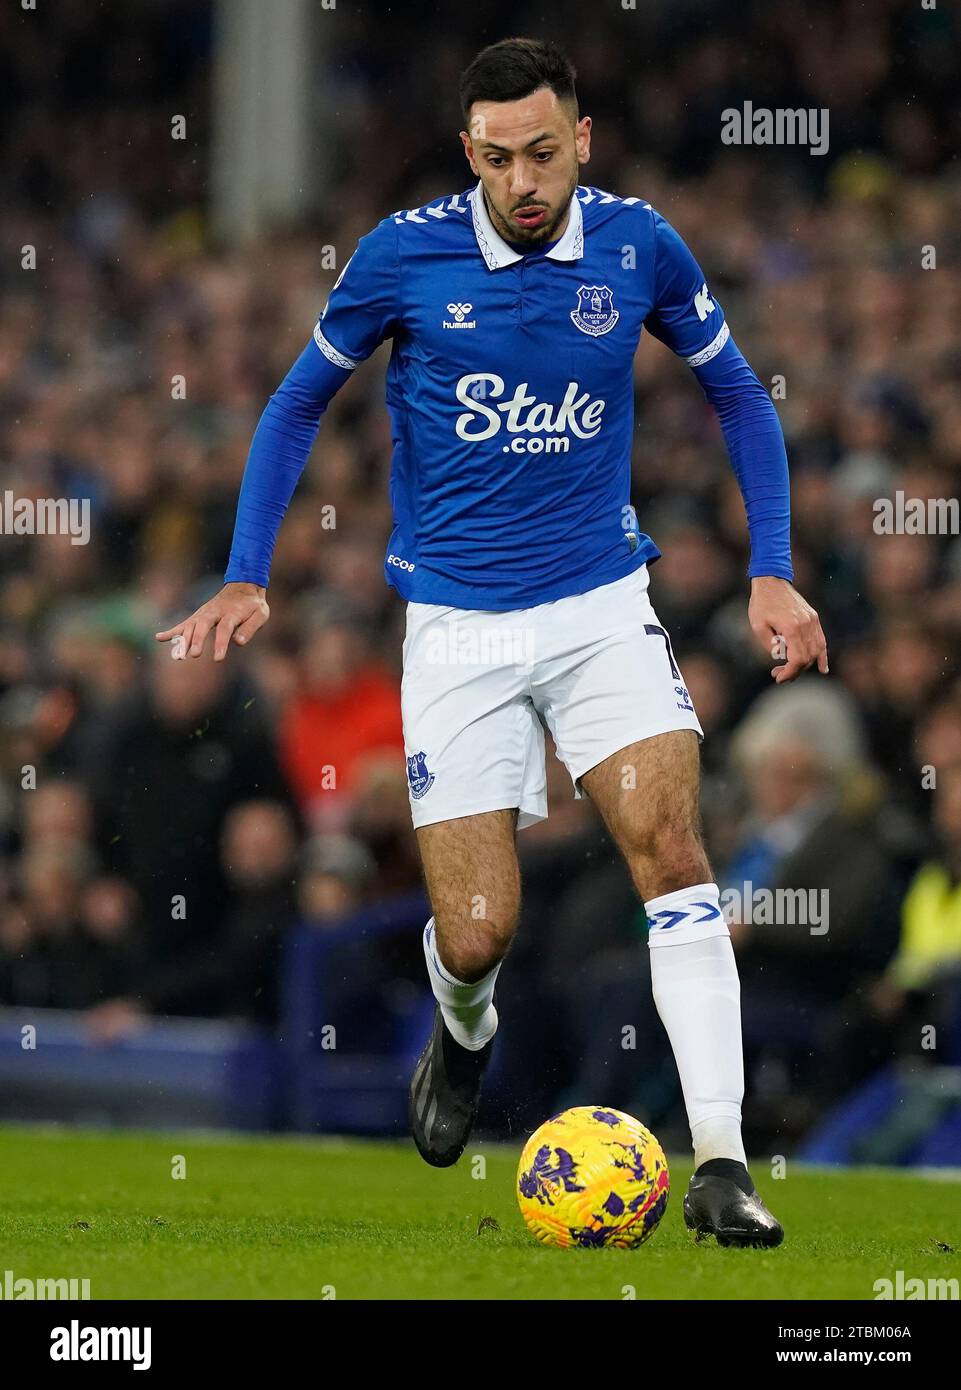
419 778
595 313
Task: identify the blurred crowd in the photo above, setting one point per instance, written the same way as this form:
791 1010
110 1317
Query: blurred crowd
162 823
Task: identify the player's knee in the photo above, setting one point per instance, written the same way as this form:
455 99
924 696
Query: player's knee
671 857
472 950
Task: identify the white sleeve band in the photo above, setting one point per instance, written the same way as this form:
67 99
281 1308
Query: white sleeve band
712 349
331 353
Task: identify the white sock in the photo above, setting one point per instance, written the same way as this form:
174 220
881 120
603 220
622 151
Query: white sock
698 996
467 1008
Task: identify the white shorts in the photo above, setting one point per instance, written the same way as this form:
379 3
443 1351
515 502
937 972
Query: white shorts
479 688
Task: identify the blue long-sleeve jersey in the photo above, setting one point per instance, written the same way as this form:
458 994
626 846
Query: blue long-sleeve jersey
511 396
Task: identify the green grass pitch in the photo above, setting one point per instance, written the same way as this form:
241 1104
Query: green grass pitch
299 1218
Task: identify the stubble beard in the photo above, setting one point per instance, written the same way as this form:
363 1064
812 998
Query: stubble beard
537 235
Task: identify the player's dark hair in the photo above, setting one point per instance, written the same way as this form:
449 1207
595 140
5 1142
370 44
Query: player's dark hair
514 68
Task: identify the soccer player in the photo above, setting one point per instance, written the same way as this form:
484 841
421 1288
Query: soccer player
515 310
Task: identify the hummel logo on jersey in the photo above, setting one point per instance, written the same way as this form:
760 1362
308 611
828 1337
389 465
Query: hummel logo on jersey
460 312
595 313
703 303
576 415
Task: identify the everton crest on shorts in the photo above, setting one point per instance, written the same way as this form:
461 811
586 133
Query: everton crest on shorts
419 779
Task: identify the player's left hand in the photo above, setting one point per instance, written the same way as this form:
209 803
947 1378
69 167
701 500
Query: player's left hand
786 627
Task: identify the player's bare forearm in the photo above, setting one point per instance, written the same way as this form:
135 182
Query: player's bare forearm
235 614
786 626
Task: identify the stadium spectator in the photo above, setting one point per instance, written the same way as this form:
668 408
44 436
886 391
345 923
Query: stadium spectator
335 876
921 985
347 707
175 767
236 973
814 839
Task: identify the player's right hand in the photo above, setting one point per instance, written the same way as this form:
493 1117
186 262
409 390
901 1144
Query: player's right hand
237 612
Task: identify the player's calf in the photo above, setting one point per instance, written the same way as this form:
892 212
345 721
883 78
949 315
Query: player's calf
473 882
474 886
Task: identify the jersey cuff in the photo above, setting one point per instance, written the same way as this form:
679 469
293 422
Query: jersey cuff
712 349
331 353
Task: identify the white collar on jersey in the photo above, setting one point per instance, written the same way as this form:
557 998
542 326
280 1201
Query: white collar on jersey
495 249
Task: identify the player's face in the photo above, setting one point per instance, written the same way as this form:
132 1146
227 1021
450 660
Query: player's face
527 154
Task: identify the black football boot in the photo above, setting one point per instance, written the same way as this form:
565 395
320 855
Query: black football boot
444 1095
722 1201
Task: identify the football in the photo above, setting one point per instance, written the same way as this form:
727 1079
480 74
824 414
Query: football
592 1176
